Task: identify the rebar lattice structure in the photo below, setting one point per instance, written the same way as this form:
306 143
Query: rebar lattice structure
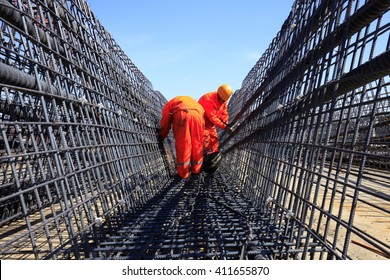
314 114
304 175
78 128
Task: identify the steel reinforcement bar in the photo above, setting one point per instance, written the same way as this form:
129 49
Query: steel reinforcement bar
312 129
78 124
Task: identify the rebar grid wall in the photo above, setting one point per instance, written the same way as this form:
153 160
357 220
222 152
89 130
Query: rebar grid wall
78 126
312 138
81 169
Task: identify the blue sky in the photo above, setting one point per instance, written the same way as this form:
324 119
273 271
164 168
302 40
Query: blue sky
192 47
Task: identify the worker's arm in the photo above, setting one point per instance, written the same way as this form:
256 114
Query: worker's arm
224 113
166 122
225 118
212 115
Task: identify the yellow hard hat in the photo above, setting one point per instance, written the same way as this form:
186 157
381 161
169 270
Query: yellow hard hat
225 91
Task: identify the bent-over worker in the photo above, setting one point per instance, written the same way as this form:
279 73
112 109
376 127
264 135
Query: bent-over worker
186 117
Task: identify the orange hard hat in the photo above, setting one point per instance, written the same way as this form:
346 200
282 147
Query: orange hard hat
225 91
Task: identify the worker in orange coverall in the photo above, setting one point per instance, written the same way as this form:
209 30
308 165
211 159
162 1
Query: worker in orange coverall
186 116
216 114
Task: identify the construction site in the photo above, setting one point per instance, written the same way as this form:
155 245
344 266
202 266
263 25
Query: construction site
305 175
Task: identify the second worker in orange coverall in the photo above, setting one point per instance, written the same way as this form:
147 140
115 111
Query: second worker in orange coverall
186 117
216 114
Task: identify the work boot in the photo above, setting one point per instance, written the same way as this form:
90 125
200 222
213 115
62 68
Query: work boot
211 162
178 180
195 179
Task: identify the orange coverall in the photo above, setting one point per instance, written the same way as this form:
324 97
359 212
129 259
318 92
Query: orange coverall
216 114
186 116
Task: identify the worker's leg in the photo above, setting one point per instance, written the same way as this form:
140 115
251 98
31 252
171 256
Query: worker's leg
181 132
213 142
206 141
197 132
210 139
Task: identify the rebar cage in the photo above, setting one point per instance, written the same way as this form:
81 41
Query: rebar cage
313 114
78 140
305 174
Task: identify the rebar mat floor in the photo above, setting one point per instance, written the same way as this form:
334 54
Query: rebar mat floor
199 218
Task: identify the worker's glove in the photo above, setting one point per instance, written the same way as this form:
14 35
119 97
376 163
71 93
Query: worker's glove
229 129
159 137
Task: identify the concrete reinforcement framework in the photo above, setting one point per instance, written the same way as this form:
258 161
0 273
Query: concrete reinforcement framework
305 175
